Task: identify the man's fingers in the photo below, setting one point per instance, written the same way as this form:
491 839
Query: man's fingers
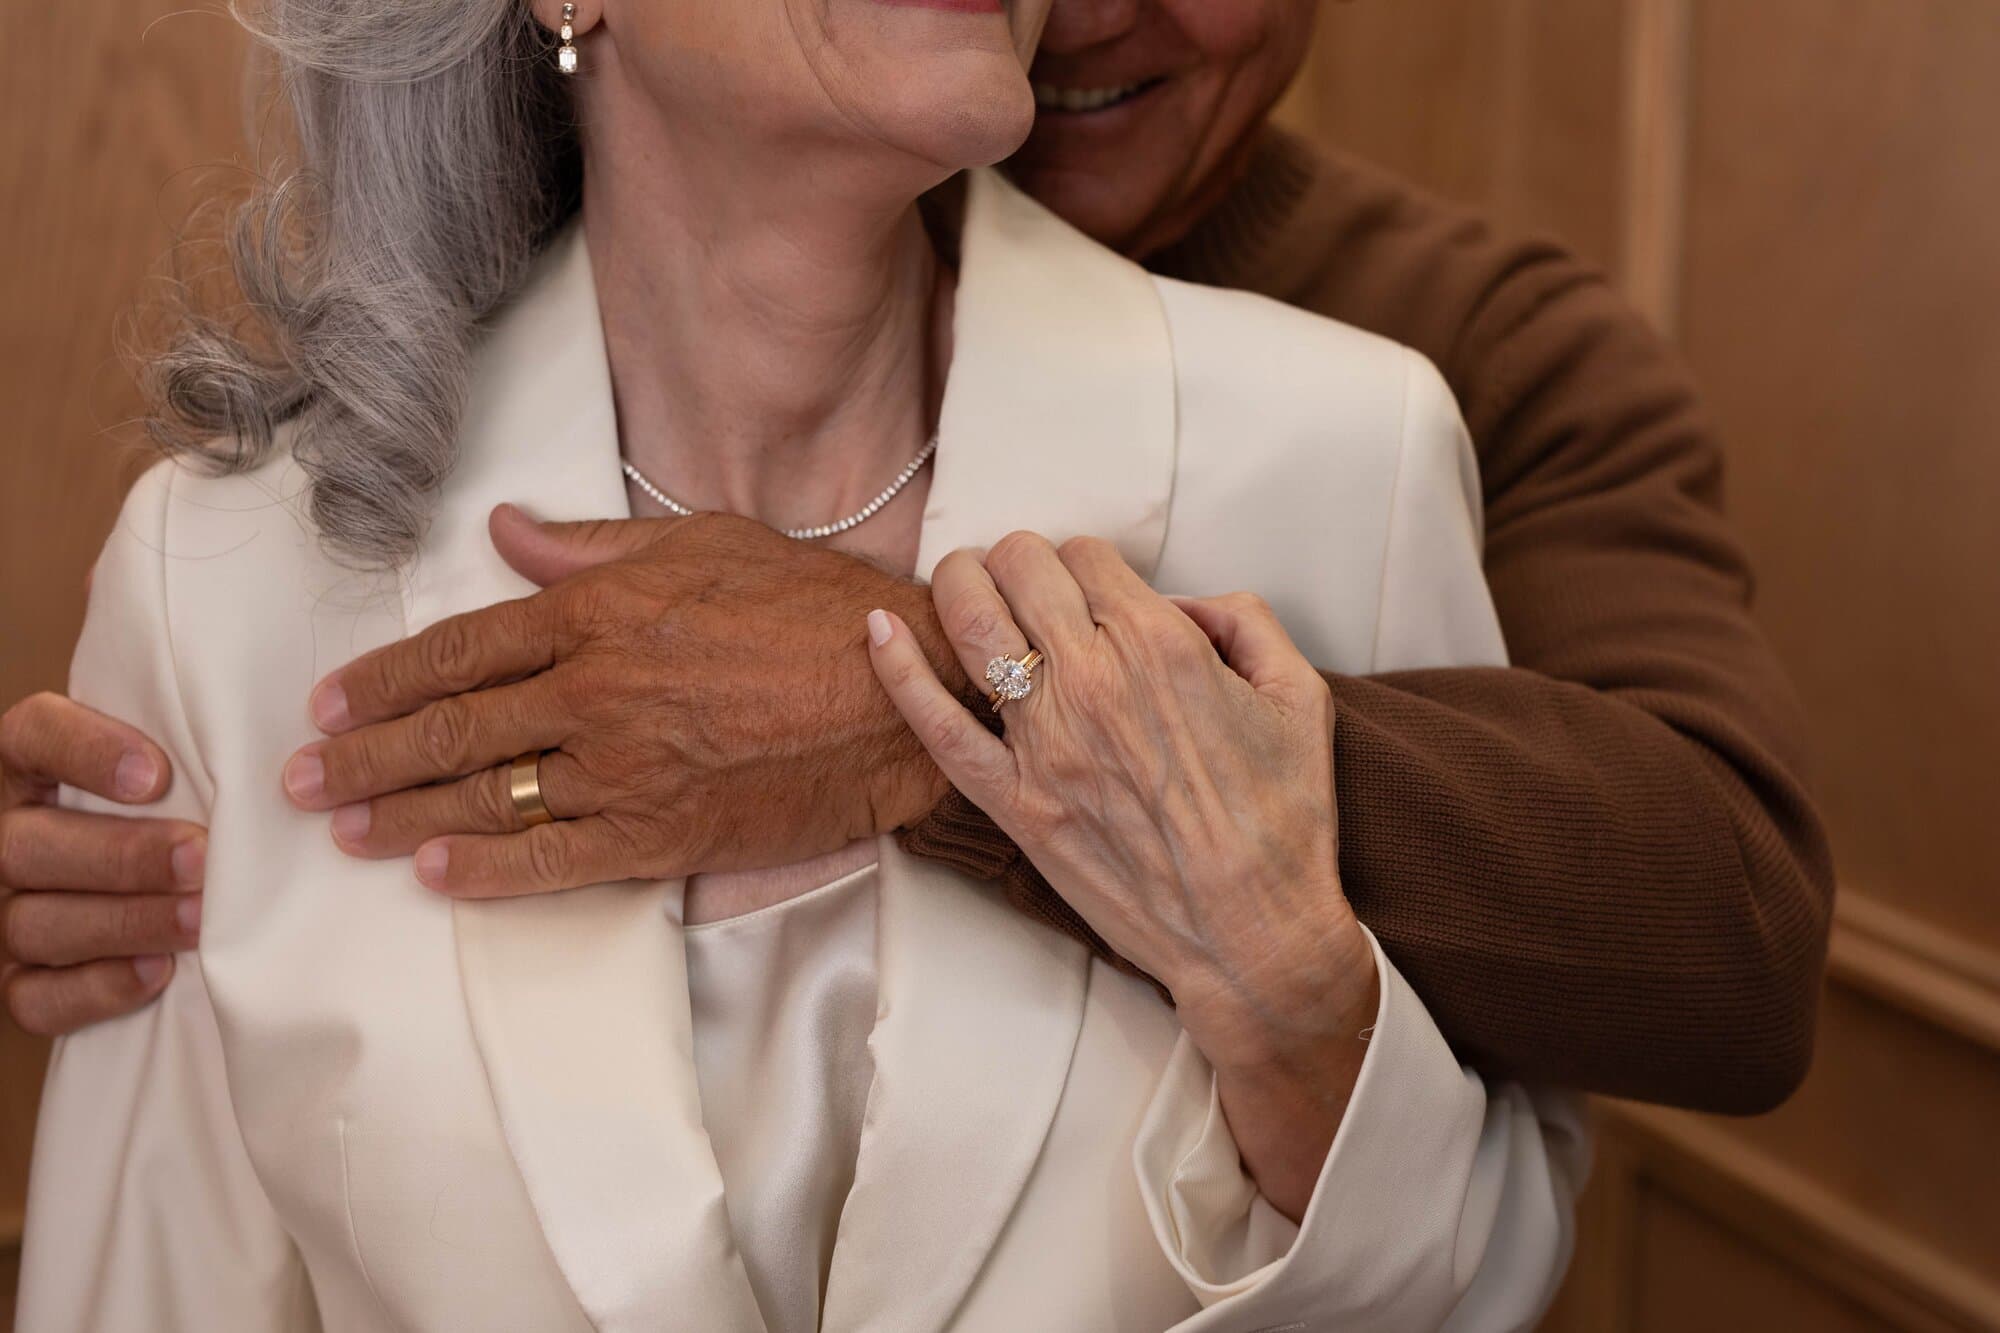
549 858
398 824
60 929
502 642
448 739
971 758
42 847
551 552
47 739
51 1002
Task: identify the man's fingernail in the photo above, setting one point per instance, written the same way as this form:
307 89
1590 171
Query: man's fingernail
351 822
305 776
189 859
150 969
432 858
879 628
329 706
187 914
136 774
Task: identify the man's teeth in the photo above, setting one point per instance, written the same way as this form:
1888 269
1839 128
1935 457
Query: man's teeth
1050 98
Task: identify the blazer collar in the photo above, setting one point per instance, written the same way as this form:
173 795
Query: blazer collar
1058 416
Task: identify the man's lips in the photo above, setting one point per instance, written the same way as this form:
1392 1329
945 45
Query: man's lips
952 6
1052 97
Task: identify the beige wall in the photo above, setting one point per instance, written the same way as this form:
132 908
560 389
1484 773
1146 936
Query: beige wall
1803 191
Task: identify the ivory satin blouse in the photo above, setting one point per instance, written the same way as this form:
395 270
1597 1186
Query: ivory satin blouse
783 1000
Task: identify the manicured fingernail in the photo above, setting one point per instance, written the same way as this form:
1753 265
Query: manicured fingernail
350 822
879 628
329 706
432 858
136 774
189 859
187 914
305 776
150 969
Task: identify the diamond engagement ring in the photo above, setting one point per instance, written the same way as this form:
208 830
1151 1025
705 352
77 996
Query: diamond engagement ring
1011 677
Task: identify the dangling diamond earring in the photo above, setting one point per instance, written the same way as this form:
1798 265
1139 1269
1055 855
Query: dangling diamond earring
566 53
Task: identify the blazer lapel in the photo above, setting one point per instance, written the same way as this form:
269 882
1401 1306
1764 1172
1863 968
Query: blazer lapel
978 1009
579 1001
1058 414
1058 417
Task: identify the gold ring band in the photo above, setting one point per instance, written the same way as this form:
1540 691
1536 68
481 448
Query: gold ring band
524 784
1011 677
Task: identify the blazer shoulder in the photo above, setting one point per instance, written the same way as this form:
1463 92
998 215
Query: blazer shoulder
234 563
210 524
1281 368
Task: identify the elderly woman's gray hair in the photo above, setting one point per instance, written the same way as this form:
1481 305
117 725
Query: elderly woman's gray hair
437 154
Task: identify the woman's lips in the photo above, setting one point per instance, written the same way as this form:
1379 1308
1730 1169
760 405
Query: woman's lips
1049 97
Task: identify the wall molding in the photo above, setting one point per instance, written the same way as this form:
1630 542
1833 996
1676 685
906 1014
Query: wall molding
1903 960
1771 1205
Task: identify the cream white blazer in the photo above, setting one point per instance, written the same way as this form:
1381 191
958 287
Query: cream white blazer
366 1107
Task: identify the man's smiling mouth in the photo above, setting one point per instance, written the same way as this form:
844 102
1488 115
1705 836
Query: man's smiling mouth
1048 97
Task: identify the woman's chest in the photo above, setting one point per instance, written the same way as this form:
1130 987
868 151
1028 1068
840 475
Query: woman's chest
359 1087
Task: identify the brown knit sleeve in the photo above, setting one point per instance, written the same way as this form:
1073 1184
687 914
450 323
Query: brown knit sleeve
1599 867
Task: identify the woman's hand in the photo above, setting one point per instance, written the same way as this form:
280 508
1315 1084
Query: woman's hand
1171 774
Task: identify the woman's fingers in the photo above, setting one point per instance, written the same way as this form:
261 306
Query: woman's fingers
1246 632
61 929
399 823
1039 591
51 1002
448 739
974 615
47 739
1109 585
971 758
468 652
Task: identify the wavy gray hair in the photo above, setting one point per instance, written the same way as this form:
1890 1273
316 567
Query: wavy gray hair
436 155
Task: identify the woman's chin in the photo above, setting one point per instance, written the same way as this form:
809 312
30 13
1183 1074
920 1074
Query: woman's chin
964 123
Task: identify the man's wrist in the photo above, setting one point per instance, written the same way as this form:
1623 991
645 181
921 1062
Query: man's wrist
908 786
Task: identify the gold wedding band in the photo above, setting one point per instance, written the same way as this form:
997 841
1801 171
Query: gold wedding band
1011 677
524 784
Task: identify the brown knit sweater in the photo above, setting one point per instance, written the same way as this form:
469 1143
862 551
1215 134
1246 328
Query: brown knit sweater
1599 866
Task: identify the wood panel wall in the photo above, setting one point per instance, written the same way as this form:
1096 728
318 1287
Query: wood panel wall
1804 193
99 124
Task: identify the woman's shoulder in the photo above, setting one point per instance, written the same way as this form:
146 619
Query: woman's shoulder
202 520
226 565
1255 367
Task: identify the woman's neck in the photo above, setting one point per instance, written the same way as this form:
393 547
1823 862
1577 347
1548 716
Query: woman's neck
777 339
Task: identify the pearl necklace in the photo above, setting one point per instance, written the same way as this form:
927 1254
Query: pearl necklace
839 525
